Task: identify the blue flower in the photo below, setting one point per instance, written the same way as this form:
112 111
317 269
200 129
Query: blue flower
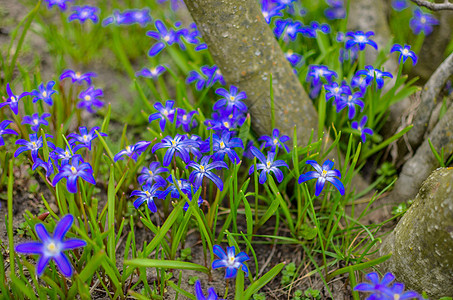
324 28
183 184
372 73
199 292
336 10
405 53
163 113
83 13
316 73
64 154
52 247
193 36
270 10
147 194
77 77
225 120
287 29
89 99
334 91
163 36
207 78
33 145
230 261
323 174
361 128
224 144
133 151
148 175
129 17
178 144
380 288
267 165
350 100
422 22
72 171
13 100
44 93
203 169
35 121
359 82
60 3
231 99
4 130
294 59
361 39
399 5
84 138
275 140
48 166
185 120
153 73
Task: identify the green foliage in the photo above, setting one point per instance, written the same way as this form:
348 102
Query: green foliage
288 274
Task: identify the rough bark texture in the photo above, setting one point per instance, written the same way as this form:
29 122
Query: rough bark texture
417 169
422 242
428 101
245 49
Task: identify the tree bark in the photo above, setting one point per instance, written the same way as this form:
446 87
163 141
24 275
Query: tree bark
422 242
246 51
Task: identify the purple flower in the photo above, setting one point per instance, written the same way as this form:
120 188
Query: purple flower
359 82
275 140
72 171
399 5
316 73
52 247
77 77
129 17
231 99
150 175
153 73
178 144
324 28
207 78
183 184
48 166
230 261
270 10
35 120
133 151
163 113
199 292
372 73
4 130
361 39
422 22
203 169
267 165
294 58
185 120
84 138
361 128
163 36
323 174
83 13
44 93
64 154
349 54
193 36
13 100
334 91
89 99
336 10
405 53
225 120
380 288
224 144
287 29
147 194
350 100
60 3
33 145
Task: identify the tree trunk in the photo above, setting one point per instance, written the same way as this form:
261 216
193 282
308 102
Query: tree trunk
422 242
246 51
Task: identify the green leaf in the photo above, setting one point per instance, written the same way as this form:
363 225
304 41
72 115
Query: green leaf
263 280
165 264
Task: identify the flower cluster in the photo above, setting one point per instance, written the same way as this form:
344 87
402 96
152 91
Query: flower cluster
129 17
207 77
380 289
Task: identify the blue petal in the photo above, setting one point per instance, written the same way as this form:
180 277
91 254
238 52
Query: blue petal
62 227
307 176
217 250
29 248
230 272
219 263
63 264
42 263
319 185
337 183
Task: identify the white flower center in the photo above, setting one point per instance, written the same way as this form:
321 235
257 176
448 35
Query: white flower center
202 170
150 172
35 121
423 20
53 249
232 98
87 98
361 38
166 38
405 52
85 138
44 94
222 145
77 74
324 173
73 170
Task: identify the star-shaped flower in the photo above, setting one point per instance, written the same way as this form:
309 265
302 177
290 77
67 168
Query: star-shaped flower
361 39
52 248
13 101
203 169
323 174
72 171
405 53
267 165
230 261
44 93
